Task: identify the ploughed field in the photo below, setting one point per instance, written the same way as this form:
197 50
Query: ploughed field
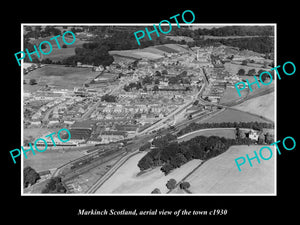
153 52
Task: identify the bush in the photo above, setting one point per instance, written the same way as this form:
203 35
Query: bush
241 72
171 184
30 176
54 185
184 185
156 191
32 82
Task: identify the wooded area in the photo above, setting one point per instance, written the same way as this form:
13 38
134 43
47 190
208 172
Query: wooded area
169 154
107 38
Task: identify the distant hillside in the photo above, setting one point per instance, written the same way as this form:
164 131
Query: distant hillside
225 31
115 38
239 31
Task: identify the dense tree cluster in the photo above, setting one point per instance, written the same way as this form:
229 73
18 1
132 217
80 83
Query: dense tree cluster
262 40
92 54
54 185
171 155
109 98
109 38
30 176
137 85
197 126
257 44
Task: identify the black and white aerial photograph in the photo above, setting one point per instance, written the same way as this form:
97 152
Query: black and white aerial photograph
174 115
159 113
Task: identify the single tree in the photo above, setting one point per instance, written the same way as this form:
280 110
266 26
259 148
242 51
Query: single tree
171 184
184 185
237 132
155 88
269 139
167 168
241 72
244 62
261 139
32 82
251 72
156 191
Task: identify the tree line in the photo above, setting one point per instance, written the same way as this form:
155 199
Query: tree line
252 125
257 44
225 31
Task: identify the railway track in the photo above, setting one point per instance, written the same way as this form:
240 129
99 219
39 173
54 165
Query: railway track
111 172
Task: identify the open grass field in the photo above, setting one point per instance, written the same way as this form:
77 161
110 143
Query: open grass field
220 132
126 181
153 50
262 105
58 54
149 55
220 175
137 53
231 94
50 159
231 115
59 76
259 91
